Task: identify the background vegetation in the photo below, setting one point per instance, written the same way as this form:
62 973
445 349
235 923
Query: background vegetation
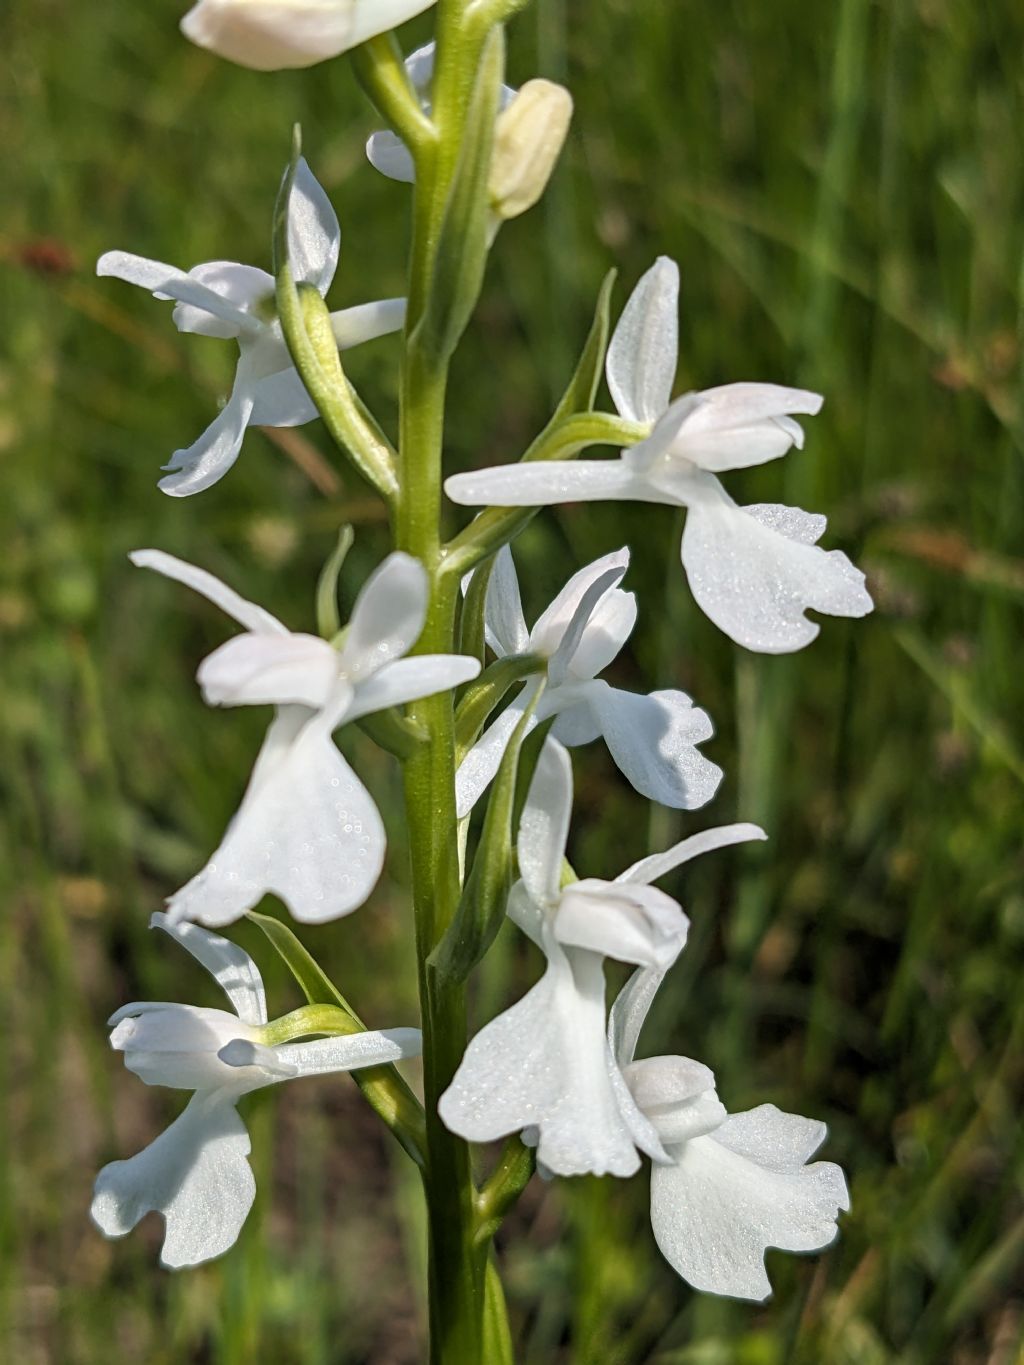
842 186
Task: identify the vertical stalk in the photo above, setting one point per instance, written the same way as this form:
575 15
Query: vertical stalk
456 1266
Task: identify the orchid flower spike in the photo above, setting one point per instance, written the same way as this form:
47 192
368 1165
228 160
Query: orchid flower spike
733 1184
307 829
754 570
653 739
274 35
544 1068
196 1174
223 299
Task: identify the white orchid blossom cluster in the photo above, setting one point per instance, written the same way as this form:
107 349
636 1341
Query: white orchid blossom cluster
438 665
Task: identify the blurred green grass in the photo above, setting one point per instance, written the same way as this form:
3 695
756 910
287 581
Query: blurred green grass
843 189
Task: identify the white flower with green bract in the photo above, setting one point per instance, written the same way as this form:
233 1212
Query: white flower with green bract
196 1175
653 739
753 570
231 301
544 1067
307 830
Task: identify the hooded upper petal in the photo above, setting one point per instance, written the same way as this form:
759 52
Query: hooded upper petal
240 287
755 571
272 35
738 425
196 1175
307 831
168 282
256 669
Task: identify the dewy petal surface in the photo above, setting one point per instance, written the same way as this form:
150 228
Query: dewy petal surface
196 1174
754 572
230 966
406 680
476 771
738 425
641 364
744 1188
307 831
544 828
547 482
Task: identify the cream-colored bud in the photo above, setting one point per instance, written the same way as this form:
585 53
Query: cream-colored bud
270 35
528 137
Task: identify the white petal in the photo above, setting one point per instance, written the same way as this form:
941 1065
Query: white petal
408 679
717 1210
314 234
307 831
257 669
241 287
544 828
607 630
641 363
546 482
195 1174
387 617
575 721
209 458
355 1050
177 1045
476 771
246 613
650 869
560 629
281 400
388 154
630 923
754 573
629 1012
653 740
738 425
505 623
545 1063
230 966
168 282
366 321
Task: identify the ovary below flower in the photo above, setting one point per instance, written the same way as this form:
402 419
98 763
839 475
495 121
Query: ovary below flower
270 35
733 1185
307 830
196 1174
544 1068
653 739
753 570
231 301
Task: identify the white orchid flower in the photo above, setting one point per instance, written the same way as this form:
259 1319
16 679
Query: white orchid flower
196 1173
272 35
753 570
307 829
385 150
544 1068
653 739
223 299
734 1184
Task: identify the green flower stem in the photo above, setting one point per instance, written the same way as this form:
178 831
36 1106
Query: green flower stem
563 440
457 1263
381 72
503 1187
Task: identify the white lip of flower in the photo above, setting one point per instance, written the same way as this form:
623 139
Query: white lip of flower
196 1174
224 299
652 738
307 829
384 149
544 1067
753 570
733 1184
275 35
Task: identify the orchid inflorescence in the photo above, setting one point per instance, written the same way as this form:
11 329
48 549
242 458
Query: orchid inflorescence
438 664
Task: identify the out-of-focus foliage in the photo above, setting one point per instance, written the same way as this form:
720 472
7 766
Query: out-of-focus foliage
842 186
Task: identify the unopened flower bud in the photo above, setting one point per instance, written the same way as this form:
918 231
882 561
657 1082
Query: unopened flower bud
528 137
270 35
